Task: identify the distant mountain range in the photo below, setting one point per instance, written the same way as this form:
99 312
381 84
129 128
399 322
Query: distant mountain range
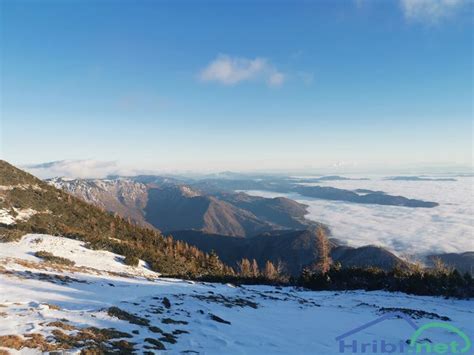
233 224
288 185
418 178
374 197
168 206
328 178
208 214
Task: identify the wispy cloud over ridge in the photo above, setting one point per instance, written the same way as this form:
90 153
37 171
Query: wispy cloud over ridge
84 169
228 70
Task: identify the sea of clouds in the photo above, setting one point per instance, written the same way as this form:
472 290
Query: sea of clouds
82 169
408 232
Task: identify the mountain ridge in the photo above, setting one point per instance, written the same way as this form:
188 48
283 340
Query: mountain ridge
170 206
294 250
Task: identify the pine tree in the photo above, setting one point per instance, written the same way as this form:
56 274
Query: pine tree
214 265
306 275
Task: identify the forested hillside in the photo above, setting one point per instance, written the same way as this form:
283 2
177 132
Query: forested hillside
29 205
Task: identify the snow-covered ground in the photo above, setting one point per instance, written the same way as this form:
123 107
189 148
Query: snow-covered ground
98 260
7 218
405 231
196 317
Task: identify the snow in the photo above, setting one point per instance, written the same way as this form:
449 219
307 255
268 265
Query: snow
285 321
24 214
21 215
20 186
6 218
74 250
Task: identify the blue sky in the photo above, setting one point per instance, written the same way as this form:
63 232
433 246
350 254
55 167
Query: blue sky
238 85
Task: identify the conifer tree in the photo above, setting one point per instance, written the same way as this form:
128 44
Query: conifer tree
214 265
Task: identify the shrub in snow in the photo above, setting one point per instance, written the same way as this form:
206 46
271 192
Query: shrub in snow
47 256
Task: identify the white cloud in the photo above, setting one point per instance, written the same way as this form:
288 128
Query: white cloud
81 169
276 79
446 228
430 10
229 70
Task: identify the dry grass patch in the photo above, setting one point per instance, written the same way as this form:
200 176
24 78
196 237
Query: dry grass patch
48 266
92 351
172 321
94 340
53 306
158 345
48 277
3 270
37 341
34 341
123 315
51 258
29 264
10 235
11 341
62 325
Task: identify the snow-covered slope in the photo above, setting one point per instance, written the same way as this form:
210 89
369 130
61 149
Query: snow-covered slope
70 306
98 261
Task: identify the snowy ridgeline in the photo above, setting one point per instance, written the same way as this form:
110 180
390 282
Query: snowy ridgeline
152 314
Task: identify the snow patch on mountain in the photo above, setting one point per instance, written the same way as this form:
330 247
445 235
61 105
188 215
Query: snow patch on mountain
20 186
10 217
6 218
